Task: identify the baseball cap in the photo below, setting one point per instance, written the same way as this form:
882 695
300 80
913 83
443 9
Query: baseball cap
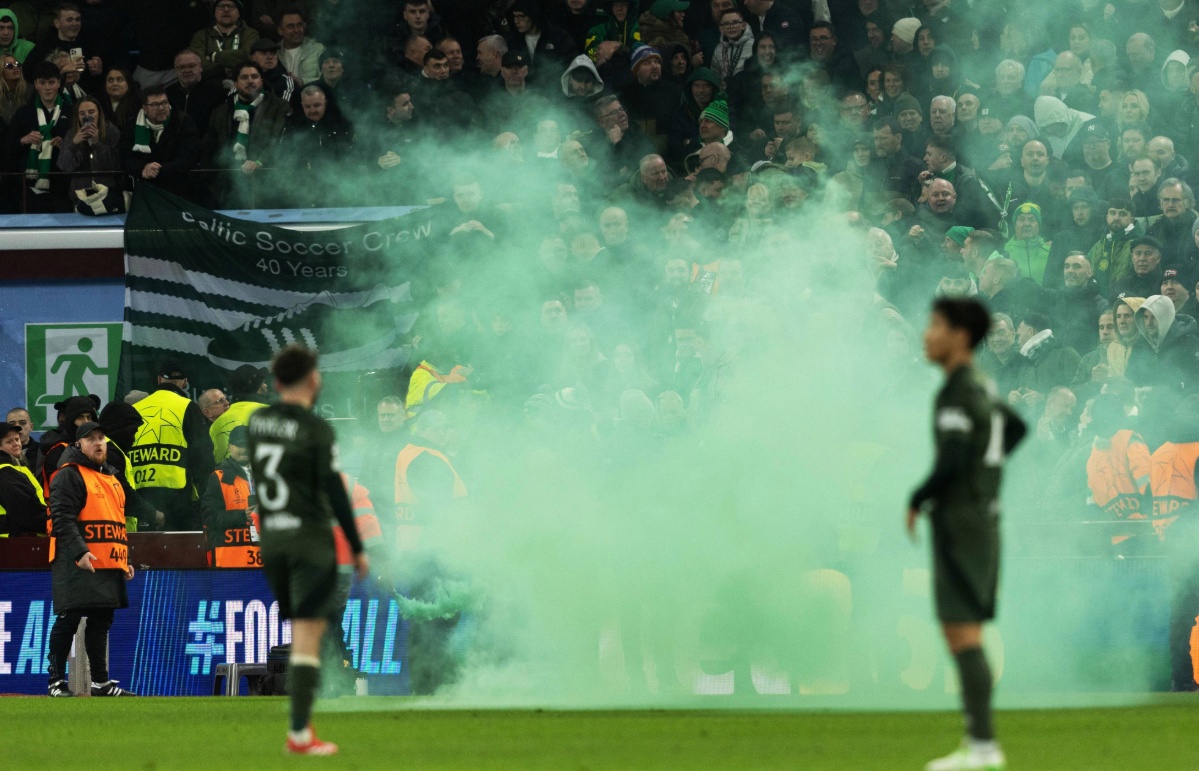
264 44
247 379
8 428
1095 132
1169 275
1146 241
514 59
171 370
87 428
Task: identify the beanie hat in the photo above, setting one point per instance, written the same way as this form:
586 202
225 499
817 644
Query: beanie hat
663 8
1029 208
717 112
1026 123
1087 195
958 234
76 406
905 29
906 101
641 54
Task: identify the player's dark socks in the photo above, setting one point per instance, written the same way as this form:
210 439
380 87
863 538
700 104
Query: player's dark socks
975 675
302 683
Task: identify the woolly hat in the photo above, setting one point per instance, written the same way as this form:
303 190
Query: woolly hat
906 101
1087 195
76 406
1026 123
717 112
1028 208
905 29
958 234
642 54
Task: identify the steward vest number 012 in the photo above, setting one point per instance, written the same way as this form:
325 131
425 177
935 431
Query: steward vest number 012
158 457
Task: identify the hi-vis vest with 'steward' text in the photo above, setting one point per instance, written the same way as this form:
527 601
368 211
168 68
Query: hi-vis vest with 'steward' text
235 548
1172 480
102 520
1117 473
158 457
32 480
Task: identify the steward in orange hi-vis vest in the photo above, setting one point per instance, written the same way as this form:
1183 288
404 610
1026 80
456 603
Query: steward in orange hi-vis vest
89 558
425 480
227 506
1176 518
1118 469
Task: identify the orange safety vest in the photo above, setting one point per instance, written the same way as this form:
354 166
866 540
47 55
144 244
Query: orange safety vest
408 529
1112 476
48 473
235 549
102 520
364 519
1172 480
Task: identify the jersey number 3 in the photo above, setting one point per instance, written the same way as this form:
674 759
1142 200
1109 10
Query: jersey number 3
272 490
995 455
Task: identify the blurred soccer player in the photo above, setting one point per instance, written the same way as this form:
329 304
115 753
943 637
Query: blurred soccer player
974 432
294 466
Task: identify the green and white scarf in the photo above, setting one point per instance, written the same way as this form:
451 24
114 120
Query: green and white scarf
37 167
144 132
243 114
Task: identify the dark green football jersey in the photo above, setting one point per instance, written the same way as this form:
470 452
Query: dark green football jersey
292 454
969 418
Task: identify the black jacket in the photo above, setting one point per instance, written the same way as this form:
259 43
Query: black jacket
177 150
196 102
24 512
1076 313
73 587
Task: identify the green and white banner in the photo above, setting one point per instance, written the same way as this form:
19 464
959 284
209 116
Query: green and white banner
213 292
65 360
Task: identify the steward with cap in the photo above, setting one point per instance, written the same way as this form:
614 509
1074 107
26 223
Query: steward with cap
89 558
171 455
248 384
22 504
228 508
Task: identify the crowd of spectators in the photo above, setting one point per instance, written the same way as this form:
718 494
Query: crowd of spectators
663 173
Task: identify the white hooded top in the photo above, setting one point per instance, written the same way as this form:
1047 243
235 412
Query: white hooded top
1162 309
1049 110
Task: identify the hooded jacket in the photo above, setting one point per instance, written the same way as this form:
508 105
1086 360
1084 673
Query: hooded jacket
1049 110
582 62
683 138
72 409
74 588
20 48
1173 361
1118 351
1183 58
1074 238
120 422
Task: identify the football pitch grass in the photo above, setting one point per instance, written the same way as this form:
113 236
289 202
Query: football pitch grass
380 733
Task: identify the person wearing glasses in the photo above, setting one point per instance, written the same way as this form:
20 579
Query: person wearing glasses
227 42
735 48
163 147
14 89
